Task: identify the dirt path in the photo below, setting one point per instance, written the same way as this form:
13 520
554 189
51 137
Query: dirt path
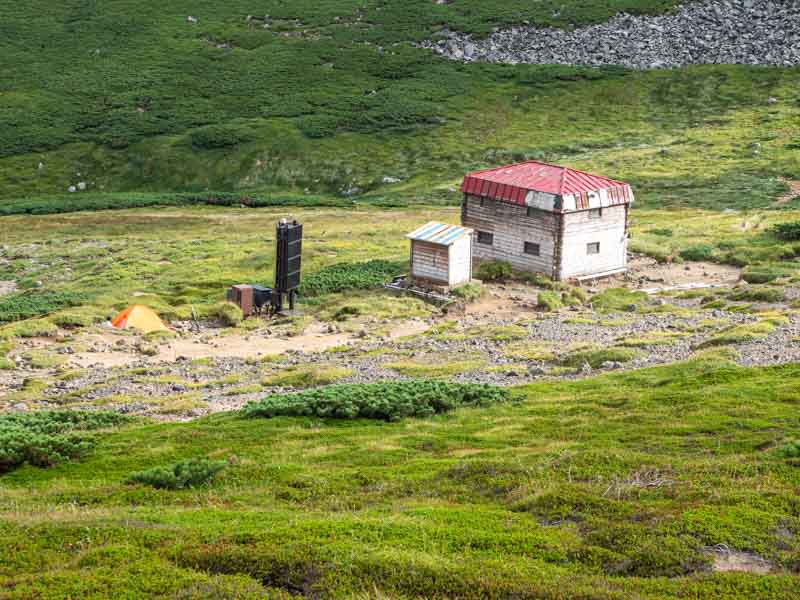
792 193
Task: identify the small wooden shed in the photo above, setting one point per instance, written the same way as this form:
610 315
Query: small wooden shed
441 255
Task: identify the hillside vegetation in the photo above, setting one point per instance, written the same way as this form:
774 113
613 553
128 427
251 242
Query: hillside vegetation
313 101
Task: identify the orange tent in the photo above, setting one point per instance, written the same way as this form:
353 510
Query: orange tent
139 317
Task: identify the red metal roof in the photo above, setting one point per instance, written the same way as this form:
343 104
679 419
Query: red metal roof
513 182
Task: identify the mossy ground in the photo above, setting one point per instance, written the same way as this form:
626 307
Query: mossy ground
593 489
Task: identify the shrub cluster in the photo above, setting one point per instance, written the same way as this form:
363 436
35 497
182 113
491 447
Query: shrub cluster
351 276
790 449
388 401
45 205
698 252
788 232
218 136
47 438
227 313
192 472
24 305
469 292
494 271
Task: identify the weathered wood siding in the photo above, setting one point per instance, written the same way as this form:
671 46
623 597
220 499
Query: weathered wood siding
430 262
580 230
511 227
460 261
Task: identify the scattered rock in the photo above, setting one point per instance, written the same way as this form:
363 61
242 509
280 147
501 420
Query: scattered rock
752 32
193 20
611 364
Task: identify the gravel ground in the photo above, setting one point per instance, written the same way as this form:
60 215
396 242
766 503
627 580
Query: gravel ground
214 385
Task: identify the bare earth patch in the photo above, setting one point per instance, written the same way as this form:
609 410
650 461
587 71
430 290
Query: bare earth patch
726 560
651 276
792 193
7 287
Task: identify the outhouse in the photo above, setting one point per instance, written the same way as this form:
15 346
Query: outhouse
441 255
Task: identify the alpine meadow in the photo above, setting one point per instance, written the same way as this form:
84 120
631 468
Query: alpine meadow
430 299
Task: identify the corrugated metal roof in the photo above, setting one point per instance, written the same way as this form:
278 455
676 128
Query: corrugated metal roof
512 183
439 233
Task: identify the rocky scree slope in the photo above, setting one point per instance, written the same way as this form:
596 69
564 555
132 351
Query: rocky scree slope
751 32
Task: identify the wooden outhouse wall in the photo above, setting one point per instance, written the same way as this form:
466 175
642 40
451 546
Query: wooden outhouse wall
430 262
580 230
512 227
460 261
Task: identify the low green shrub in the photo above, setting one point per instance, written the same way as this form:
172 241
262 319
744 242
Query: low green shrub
788 232
351 276
35 303
389 401
790 449
758 294
497 270
578 294
663 232
739 334
698 252
218 136
29 329
549 301
764 274
469 292
189 473
595 358
227 313
43 439
303 376
618 299
72 319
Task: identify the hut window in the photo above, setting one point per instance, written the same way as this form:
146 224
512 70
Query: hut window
531 248
596 213
484 237
593 248
533 211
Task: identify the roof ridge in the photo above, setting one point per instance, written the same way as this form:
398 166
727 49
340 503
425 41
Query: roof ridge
563 181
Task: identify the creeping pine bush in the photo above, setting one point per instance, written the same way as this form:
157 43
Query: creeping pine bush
788 232
698 252
494 271
43 439
389 401
790 449
192 472
351 276
24 305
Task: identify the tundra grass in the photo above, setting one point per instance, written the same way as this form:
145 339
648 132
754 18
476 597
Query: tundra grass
596 489
180 260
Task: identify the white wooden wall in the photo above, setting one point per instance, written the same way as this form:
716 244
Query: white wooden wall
511 227
580 230
430 261
461 261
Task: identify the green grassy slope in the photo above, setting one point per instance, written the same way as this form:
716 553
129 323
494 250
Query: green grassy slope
609 488
331 97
